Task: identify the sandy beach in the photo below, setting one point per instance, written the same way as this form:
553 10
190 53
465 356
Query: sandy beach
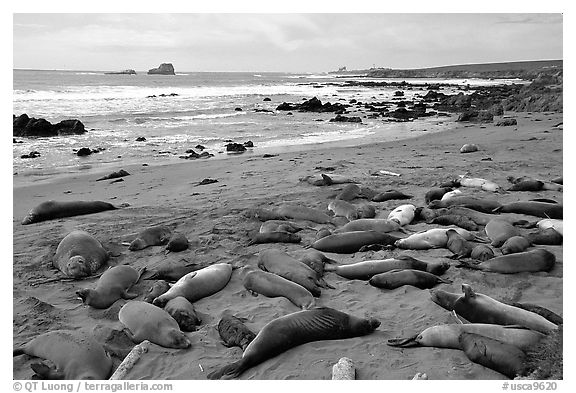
211 216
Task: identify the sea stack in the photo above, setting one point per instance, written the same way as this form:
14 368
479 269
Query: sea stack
164 69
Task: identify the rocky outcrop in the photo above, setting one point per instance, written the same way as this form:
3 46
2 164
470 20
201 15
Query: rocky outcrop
30 126
164 69
123 72
476 116
312 105
346 119
506 123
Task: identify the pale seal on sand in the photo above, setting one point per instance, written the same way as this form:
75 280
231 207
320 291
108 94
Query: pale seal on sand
557 225
272 285
498 231
75 353
145 321
51 210
436 193
198 284
476 182
537 260
279 226
446 336
343 209
399 277
79 255
403 214
496 355
468 148
111 286
432 238
448 195
153 236
233 332
479 308
295 329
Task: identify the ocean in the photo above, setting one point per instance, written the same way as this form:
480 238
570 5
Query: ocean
203 108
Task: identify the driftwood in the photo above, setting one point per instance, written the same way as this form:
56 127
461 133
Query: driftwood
130 360
344 370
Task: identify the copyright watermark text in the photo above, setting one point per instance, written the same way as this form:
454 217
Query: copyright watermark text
90 386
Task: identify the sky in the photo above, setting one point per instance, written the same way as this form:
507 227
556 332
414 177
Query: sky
289 42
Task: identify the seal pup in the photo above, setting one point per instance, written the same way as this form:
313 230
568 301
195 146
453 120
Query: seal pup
315 260
366 211
322 232
458 245
198 284
157 289
390 195
234 333
528 261
282 264
178 242
436 193
323 179
481 205
154 236
527 185
183 313
403 214
274 237
279 226
468 148
297 212
505 358
453 219
171 271
364 270
111 286
51 210
399 277
482 252
533 208
515 244
382 225
498 231
292 330
79 255
479 308
75 353
350 242
432 238
144 321
547 236
484 184
349 193
272 285
343 209
263 214
446 336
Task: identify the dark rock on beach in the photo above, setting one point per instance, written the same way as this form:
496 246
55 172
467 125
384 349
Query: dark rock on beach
346 119
29 126
84 151
476 116
506 123
163 69
312 105
32 154
140 139
235 147
114 175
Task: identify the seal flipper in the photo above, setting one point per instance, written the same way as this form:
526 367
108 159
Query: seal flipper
127 295
407 342
45 372
327 179
230 371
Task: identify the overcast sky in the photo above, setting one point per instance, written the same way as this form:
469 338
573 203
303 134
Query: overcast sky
280 42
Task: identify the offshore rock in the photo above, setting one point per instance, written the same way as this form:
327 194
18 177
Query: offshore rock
164 69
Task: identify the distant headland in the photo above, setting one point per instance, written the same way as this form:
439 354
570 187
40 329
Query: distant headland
123 72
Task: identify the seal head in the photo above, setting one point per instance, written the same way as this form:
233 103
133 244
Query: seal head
77 267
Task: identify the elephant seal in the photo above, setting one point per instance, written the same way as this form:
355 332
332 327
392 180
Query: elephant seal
183 313
479 308
436 193
198 284
263 214
111 286
75 353
533 208
171 271
178 242
51 210
322 232
272 285
279 226
350 242
282 264
292 330
505 358
349 193
515 244
366 211
297 212
468 148
528 261
482 252
323 179
476 182
390 195
366 269
547 236
343 209
145 321
549 315
399 277
458 245
557 225
453 219
315 260
382 225
451 194
79 255
153 236
498 231
446 336
432 238
403 214
481 205
234 333
527 185
157 289
274 237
